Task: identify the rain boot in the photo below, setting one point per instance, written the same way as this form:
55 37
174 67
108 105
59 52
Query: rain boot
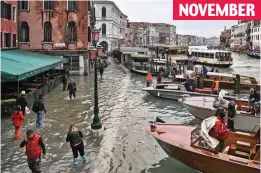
18 135
15 134
75 161
84 159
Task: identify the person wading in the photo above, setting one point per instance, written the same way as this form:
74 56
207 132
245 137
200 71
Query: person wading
17 118
149 79
72 89
34 149
39 109
21 100
101 69
74 136
64 81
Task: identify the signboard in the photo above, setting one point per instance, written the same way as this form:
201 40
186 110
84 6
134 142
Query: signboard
59 45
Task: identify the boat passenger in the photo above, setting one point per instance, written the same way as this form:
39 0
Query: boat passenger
166 73
221 131
205 70
215 86
160 78
149 79
253 101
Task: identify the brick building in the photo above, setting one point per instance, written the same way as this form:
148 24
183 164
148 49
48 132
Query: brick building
225 37
59 28
8 32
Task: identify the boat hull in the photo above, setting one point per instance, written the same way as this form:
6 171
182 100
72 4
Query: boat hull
200 161
242 122
214 65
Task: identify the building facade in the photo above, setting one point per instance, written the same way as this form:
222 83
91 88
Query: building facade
225 38
187 40
56 27
109 19
8 34
255 35
240 35
124 29
213 41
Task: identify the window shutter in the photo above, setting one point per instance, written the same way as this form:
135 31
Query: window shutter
9 11
27 34
66 33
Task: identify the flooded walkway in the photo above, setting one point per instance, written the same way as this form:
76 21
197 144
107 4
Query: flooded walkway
125 110
122 146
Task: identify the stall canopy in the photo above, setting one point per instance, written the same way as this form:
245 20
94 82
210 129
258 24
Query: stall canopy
18 64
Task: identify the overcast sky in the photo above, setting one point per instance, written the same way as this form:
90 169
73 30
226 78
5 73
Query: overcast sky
160 11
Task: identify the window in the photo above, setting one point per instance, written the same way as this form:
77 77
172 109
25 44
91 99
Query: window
73 64
104 29
24 32
47 32
89 34
103 12
23 5
14 40
48 5
6 10
14 13
72 5
71 31
7 40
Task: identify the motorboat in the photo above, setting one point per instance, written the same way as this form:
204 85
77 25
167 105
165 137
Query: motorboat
194 147
203 107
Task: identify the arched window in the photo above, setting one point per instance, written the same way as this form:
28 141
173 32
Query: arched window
104 29
47 32
24 32
103 12
89 34
72 31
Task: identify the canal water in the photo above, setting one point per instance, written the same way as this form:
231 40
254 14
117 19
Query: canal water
123 145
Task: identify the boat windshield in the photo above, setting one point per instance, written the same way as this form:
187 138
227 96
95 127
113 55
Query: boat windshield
199 142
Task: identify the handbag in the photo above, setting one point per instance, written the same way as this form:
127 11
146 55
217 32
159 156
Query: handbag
27 110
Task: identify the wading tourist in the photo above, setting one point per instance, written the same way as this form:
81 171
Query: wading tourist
64 81
21 100
34 149
39 109
17 118
101 69
72 89
74 136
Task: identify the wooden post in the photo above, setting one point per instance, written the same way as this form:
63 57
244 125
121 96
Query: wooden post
238 83
201 81
173 75
18 88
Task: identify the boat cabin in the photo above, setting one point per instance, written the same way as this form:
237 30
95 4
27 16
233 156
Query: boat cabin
177 51
212 54
240 147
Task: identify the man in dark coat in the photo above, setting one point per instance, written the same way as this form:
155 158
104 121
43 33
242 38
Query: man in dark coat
72 89
21 100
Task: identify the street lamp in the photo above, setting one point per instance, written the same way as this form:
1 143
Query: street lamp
93 55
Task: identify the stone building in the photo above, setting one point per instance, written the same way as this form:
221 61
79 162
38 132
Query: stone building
186 40
8 34
213 41
109 19
225 37
240 35
255 35
59 28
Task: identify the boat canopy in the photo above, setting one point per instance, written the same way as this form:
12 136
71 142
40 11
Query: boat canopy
140 57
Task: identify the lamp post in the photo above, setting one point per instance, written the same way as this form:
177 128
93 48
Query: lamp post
93 55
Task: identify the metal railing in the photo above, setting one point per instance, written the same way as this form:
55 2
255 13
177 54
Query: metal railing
252 132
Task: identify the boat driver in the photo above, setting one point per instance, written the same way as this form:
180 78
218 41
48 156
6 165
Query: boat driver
253 101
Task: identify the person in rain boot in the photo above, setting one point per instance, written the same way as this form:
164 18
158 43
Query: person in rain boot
74 136
34 148
21 100
17 118
72 89
40 111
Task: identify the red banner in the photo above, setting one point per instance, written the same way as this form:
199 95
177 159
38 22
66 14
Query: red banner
216 9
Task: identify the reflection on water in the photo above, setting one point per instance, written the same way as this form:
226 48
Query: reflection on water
125 110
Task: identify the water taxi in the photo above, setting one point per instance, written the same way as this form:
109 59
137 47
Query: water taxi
215 58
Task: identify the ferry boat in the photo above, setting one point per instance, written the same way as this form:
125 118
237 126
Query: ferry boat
214 58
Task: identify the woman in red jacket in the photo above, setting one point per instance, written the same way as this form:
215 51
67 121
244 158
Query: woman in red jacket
17 118
221 131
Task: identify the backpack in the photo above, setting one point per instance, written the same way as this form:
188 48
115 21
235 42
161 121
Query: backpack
35 107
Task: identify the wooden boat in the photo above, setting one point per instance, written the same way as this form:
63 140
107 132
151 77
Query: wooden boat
214 58
202 107
185 144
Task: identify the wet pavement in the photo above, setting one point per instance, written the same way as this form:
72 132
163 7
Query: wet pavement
123 145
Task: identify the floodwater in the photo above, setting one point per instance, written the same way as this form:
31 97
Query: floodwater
123 145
